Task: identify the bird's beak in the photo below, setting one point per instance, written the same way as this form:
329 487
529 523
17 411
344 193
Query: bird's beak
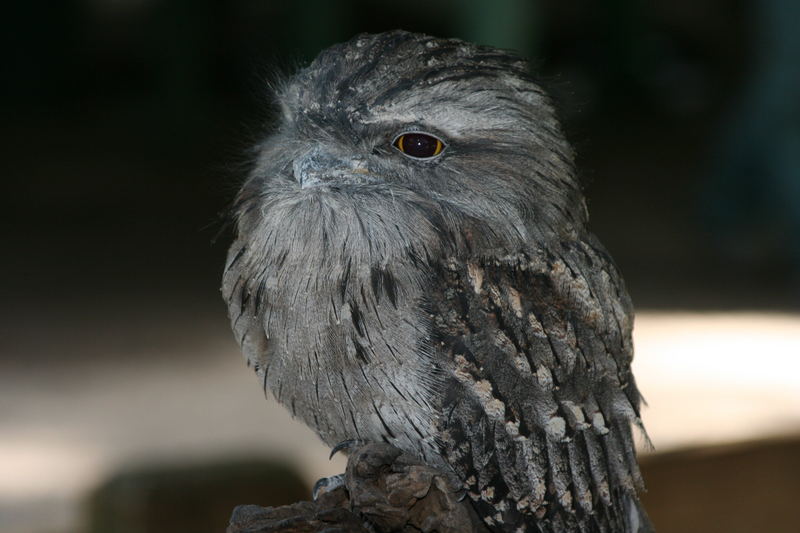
320 167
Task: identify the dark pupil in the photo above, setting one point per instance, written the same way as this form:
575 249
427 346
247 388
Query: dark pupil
419 145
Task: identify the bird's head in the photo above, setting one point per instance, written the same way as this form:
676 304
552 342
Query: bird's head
398 141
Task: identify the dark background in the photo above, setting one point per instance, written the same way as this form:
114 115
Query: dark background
126 124
125 128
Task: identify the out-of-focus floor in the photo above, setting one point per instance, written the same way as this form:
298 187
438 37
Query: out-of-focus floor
172 387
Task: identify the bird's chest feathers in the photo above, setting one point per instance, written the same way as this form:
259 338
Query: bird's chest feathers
333 284
343 312
339 287
354 336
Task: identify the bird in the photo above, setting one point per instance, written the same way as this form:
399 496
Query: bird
412 265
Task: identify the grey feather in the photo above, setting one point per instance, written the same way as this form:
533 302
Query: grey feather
455 307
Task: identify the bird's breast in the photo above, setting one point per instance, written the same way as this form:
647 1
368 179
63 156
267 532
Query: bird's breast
350 356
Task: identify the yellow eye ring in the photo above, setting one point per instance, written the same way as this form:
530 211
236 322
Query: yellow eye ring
419 145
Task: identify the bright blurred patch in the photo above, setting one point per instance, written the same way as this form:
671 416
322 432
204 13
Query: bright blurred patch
716 377
32 468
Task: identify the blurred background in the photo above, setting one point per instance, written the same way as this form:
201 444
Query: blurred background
124 402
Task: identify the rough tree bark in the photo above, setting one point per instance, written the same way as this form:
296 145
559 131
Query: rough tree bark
387 491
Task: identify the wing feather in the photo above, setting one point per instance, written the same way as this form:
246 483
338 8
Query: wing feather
541 397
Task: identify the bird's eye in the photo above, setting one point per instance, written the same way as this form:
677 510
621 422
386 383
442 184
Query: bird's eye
419 145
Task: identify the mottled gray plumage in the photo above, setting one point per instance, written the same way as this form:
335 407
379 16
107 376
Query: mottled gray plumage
458 307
